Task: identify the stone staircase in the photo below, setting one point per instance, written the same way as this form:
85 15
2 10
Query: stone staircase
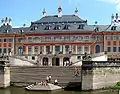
20 61
25 75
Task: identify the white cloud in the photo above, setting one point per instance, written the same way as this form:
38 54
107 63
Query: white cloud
115 2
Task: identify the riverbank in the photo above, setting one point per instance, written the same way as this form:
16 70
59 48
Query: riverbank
23 85
21 90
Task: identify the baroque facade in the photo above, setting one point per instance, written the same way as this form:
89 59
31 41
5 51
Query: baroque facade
56 39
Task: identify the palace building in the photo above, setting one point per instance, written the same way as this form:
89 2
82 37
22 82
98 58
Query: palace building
54 40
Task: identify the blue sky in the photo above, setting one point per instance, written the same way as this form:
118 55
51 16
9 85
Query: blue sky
25 11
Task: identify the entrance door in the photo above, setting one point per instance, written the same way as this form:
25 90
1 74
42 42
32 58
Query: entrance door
20 50
55 61
45 61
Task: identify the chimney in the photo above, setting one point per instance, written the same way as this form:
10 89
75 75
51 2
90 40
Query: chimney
2 22
10 21
76 12
6 21
43 13
59 11
116 17
112 18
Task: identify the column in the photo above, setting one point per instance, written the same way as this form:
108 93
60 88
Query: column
50 61
105 46
4 75
64 52
33 50
83 51
61 61
41 61
53 52
50 48
76 50
60 48
26 53
89 49
70 47
44 50
13 45
38 49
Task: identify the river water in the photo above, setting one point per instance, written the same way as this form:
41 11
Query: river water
15 90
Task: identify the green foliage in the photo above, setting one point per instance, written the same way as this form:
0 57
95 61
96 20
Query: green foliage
117 86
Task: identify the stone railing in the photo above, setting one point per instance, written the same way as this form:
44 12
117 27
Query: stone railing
91 64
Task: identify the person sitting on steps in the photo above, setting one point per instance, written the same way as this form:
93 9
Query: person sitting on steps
56 82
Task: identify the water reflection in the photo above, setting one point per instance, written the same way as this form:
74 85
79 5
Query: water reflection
13 90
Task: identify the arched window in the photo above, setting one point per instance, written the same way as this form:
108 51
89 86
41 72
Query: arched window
45 61
20 50
97 49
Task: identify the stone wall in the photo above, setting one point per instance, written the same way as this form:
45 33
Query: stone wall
4 76
98 75
23 75
105 77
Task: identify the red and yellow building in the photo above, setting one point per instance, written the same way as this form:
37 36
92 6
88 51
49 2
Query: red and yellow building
56 39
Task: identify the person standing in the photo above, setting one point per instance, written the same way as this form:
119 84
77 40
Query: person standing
49 78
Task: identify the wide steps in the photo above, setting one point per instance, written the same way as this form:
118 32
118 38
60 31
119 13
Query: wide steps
37 74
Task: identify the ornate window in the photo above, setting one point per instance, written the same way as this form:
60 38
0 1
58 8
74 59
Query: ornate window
113 27
114 37
47 27
5 40
66 27
5 50
0 40
66 38
19 39
0 50
97 49
86 38
109 49
86 49
20 50
67 48
58 38
71 38
37 39
57 48
48 49
47 38
118 37
10 40
36 49
30 39
118 49
114 49
108 37
80 38
57 27
79 49
29 50
81 26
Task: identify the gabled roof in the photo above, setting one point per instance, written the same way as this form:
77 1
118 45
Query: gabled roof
7 29
21 29
56 19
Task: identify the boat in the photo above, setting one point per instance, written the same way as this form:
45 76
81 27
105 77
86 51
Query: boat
41 87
